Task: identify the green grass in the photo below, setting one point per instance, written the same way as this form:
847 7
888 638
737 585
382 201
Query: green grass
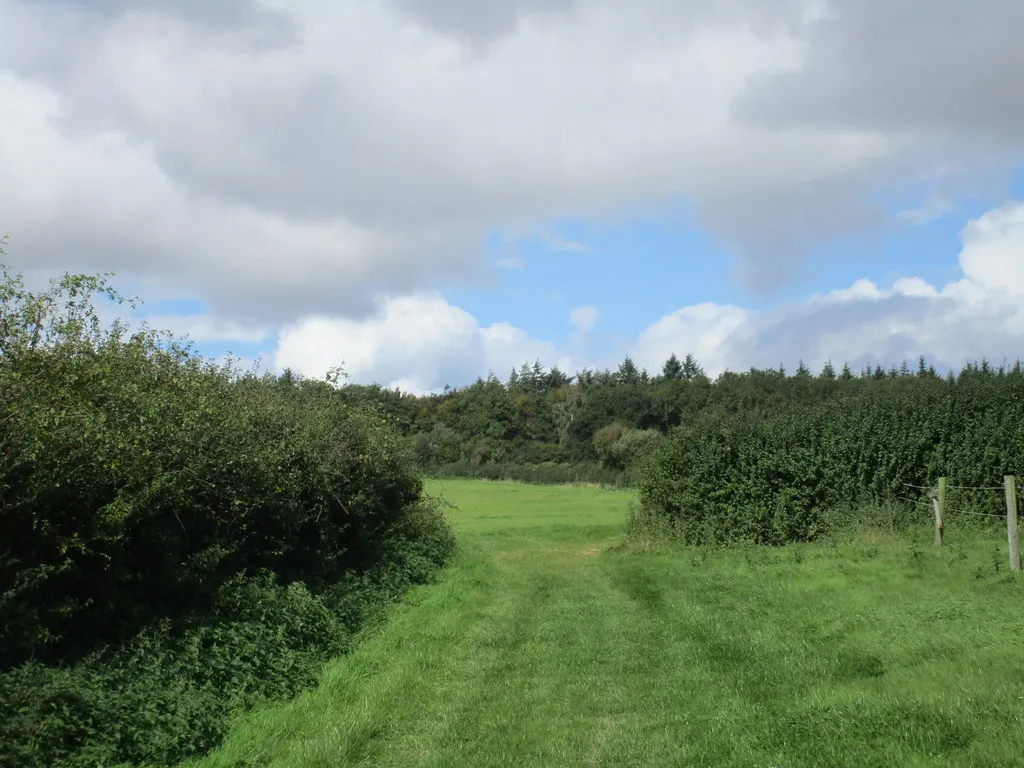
549 643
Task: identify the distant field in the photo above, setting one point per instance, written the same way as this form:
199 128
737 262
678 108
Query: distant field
549 643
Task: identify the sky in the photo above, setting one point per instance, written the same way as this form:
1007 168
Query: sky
426 191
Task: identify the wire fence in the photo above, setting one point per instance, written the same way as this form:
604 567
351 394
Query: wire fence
934 488
956 487
937 499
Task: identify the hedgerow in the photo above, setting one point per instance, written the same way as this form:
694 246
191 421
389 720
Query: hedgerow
776 475
177 539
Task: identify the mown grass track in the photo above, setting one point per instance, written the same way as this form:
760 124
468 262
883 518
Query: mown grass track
550 643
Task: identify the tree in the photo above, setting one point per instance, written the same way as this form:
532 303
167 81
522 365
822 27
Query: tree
605 440
672 369
556 379
628 373
828 372
691 369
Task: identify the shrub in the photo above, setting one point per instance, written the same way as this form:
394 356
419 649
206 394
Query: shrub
165 696
771 476
178 539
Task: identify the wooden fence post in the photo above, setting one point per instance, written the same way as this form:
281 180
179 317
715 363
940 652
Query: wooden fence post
1010 483
939 502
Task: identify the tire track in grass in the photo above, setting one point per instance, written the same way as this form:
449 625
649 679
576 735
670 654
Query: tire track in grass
532 678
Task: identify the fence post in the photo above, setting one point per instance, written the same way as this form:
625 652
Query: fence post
1010 483
939 502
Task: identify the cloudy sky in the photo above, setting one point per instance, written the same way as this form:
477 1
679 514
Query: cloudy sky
426 190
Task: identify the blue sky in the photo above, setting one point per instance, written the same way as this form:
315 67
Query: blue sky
632 271
637 268
428 191
636 271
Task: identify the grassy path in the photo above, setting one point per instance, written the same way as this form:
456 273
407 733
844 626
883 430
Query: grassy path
548 644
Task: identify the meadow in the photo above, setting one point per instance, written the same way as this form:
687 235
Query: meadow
551 640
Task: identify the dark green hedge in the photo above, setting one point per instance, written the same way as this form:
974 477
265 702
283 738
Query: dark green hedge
769 476
178 540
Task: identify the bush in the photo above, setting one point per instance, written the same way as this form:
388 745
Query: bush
606 441
179 540
165 696
777 476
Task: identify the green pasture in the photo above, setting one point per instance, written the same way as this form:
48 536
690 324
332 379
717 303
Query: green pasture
551 641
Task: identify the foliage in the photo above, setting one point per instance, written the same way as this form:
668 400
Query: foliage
637 447
605 441
164 696
771 476
179 539
760 456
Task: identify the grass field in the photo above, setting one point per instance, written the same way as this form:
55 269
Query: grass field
549 643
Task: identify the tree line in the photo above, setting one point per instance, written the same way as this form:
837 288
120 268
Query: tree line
761 456
602 425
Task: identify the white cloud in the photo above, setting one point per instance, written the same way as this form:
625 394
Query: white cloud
105 202
290 163
416 343
324 153
556 243
511 262
584 318
703 330
861 289
421 343
980 315
933 209
914 286
993 254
